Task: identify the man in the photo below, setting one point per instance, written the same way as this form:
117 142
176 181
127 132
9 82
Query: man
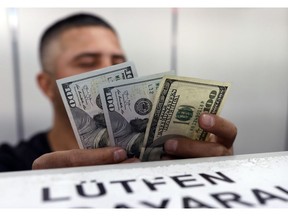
82 43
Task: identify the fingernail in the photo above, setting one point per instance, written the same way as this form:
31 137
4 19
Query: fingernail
171 145
119 155
207 120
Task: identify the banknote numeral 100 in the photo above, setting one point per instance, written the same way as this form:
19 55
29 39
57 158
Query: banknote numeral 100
128 73
210 101
69 97
109 100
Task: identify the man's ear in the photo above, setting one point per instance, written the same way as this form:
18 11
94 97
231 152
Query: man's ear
47 84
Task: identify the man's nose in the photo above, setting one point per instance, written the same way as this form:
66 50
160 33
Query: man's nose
106 61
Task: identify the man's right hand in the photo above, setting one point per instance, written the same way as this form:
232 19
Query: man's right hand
82 157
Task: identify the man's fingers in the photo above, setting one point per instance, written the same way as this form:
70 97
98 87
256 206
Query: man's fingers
224 130
80 157
131 160
187 148
223 133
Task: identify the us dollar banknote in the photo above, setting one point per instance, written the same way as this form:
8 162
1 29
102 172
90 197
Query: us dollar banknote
176 109
127 105
80 95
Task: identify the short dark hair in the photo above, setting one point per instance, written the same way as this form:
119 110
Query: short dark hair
72 21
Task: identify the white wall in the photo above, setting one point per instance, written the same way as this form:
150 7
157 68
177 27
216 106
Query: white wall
248 47
8 131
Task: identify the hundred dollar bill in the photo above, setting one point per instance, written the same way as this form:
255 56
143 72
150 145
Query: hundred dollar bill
176 109
127 105
80 95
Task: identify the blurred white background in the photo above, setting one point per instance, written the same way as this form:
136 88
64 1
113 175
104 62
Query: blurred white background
247 47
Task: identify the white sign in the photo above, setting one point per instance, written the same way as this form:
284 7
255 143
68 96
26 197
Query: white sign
244 181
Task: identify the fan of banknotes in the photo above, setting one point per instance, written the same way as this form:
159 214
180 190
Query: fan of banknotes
114 107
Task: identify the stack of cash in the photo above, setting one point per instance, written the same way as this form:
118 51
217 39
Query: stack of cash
115 107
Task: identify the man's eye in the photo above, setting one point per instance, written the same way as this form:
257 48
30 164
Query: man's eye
118 60
86 64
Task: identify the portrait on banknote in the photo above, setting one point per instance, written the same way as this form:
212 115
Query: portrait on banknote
81 98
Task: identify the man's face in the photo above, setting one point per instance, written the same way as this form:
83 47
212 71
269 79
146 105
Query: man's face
79 50
84 49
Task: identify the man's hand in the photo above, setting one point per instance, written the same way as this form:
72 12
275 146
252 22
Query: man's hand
82 157
220 142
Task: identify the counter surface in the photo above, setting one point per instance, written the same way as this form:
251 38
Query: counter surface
241 181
